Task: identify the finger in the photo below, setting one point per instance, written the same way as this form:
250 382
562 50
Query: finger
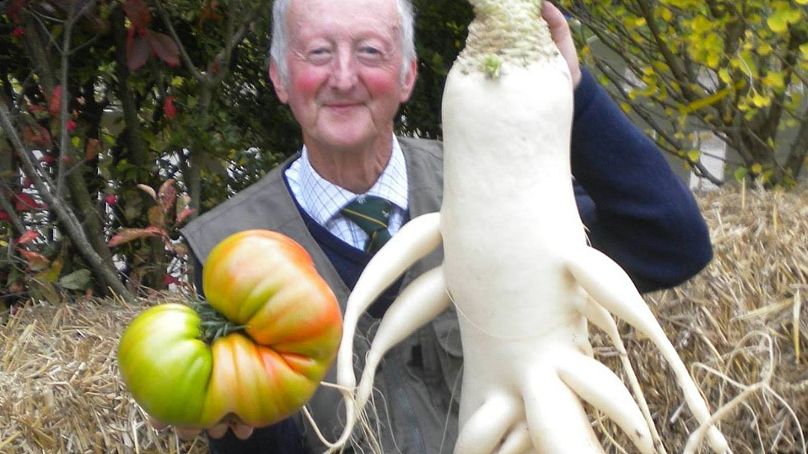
218 430
242 431
555 20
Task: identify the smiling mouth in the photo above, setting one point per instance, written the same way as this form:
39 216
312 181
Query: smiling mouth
342 105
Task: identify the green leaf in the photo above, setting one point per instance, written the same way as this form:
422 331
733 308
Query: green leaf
77 280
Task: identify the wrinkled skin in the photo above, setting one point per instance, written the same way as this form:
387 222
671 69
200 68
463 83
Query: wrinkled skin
266 283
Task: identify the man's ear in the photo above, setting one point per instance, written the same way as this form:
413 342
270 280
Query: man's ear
277 83
408 83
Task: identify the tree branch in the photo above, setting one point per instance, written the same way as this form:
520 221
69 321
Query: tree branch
62 210
189 64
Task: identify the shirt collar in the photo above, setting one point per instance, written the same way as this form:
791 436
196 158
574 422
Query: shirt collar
323 200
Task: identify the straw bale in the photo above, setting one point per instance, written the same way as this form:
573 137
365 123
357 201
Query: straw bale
741 326
60 390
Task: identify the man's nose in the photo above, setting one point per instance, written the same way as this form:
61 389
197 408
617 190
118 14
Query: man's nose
344 71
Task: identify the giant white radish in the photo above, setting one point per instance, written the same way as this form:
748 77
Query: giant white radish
516 261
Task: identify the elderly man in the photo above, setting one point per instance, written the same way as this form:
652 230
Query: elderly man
344 67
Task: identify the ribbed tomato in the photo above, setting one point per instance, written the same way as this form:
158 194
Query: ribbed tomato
285 326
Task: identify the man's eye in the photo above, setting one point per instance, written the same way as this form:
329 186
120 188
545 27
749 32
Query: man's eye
319 55
370 53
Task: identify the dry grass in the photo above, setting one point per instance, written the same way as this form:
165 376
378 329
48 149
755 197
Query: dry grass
60 391
740 325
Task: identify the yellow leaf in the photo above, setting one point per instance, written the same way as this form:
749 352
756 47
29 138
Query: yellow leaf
713 59
782 16
756 168
711 99
723 74
804 48
693 155
774 80
701 24
667 15
761 101
765 49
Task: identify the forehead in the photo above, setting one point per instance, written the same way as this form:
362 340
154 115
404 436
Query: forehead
308 18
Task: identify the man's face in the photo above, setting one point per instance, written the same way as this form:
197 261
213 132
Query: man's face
344 61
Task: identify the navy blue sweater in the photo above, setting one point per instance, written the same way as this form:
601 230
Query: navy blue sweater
635 208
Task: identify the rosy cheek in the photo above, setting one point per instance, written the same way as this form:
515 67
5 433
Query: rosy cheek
379 82
308 82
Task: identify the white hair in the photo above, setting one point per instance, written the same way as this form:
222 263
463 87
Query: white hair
280 36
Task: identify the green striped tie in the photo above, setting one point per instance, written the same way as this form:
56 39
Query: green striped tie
372 215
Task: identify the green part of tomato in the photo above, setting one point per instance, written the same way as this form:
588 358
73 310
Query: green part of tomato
165 364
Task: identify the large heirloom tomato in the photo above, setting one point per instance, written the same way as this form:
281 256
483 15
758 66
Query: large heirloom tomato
283 328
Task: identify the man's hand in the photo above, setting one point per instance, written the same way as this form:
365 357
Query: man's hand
242 431
560 31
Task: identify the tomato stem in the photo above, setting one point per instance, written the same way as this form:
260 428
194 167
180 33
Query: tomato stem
214 325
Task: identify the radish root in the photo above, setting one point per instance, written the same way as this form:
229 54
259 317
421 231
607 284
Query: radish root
517 266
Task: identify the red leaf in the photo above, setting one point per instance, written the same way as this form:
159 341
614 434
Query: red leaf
55 104
92 149
35 108
111 199
167 195
36 261
27 237
36 135
18 32
4 216
184 214
126 235
165 47
137 52
169 279
48 159
209 13
168 108
138 12
14 10
71 125
25 202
